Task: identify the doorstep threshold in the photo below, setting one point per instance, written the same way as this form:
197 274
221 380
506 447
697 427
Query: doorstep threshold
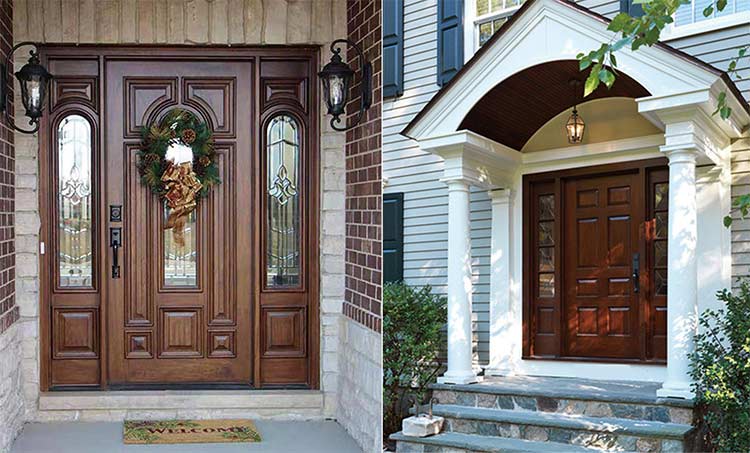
180 399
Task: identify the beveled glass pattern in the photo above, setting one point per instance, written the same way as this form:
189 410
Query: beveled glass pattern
661 196
74 203
660 253
660 227
546 233
547 207
283 203
660 282
181 262
547 285
546 259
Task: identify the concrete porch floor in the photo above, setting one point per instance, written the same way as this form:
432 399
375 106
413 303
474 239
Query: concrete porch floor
105 437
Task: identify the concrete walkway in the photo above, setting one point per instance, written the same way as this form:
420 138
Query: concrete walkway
278 437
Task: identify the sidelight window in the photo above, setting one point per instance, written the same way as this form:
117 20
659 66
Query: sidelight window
74 203
283 203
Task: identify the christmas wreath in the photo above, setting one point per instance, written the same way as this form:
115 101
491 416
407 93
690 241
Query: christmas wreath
177 162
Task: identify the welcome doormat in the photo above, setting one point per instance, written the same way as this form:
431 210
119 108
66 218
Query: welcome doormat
189 431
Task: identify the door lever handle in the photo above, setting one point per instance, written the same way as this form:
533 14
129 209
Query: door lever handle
636 272
115 241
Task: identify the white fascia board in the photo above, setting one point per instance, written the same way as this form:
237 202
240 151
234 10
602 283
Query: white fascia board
468 155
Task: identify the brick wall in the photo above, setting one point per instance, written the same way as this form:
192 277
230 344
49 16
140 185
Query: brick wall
8 308
11 396
363 176
360 341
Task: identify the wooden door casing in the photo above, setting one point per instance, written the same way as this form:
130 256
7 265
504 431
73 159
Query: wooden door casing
582 228
232 318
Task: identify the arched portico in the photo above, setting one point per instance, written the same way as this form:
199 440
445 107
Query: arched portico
516 86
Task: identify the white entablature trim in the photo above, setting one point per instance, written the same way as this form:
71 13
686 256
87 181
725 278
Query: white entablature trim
546 31
478 160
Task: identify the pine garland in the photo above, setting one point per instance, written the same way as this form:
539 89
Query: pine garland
177 124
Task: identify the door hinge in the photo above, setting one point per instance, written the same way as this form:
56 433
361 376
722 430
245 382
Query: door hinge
41 248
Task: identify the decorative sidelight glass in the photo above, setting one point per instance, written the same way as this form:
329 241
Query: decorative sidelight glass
74 203
283 203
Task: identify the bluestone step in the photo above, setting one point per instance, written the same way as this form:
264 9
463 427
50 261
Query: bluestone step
474 443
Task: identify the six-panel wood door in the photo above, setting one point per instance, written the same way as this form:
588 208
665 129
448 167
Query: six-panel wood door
601 222
238 303
594 263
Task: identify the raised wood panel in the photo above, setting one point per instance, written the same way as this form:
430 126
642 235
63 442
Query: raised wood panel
138 213
180 333
146 96
287 91
618 321
80 90
75 333
215 99
283 332
139 345
222 306
221 343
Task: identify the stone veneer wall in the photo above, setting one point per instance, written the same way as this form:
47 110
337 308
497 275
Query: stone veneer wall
360 386
11 397
193 22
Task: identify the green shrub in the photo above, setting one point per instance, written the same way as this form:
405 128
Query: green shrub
413 319
720 368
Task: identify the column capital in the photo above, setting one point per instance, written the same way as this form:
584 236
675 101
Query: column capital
458 182
500 196
681 154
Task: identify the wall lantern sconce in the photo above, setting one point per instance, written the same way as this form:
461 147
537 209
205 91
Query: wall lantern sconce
34 81
575 125
337 77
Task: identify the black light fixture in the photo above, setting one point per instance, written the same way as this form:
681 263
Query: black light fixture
34 81
575 125
337 77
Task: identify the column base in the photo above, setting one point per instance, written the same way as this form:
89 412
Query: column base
468 378
676 390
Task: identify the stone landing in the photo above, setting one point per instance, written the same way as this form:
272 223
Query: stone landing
531 414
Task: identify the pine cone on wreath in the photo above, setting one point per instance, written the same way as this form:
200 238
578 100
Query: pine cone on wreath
205 161
150 158
188 136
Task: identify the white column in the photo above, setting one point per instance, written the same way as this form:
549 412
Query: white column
682 281
459 286
501 354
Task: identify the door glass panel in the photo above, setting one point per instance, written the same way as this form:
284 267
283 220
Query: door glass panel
74 203
180 262
283 204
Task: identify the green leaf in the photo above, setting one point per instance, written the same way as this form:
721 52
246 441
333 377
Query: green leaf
612 59
619 22
725 112
732 65
708 10
592 82
721 4
584 63
727 221
607 77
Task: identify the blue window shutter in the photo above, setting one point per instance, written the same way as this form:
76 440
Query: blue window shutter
634 9
393 237
393 48
450 39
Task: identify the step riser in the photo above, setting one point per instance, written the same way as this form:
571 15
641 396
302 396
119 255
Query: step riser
567 406
600 440
409 447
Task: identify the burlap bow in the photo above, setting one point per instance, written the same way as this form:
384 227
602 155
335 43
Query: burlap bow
182 190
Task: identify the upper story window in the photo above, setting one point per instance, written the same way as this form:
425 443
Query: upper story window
691 13
490 15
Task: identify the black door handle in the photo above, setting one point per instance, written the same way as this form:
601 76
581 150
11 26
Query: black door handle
115 241
636 272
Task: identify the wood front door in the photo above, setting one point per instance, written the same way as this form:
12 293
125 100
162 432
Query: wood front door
595 263
602 219
236 303
180 312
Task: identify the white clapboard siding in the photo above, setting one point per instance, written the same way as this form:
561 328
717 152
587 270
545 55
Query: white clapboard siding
415 173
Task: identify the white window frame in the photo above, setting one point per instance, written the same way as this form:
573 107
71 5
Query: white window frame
734 19
472 23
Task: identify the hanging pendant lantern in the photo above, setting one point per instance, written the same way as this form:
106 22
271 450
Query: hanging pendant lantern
575 126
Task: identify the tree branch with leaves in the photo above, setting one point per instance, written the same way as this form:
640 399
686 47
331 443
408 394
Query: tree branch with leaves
636 32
